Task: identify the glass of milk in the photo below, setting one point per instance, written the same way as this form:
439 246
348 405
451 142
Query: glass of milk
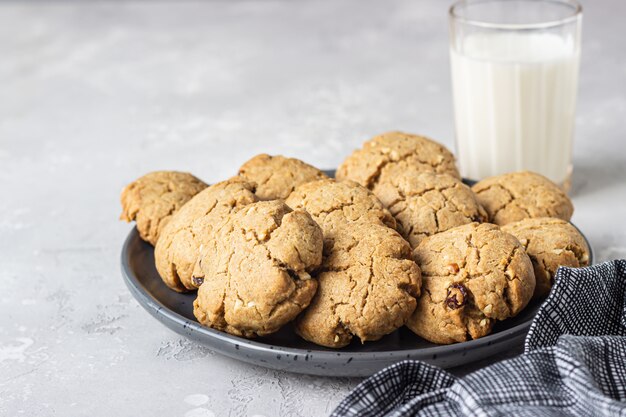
514 75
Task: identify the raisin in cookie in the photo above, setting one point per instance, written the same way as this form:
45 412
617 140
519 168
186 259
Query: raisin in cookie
367 285
331 202
393 154
152 200
472 275
255 275
429 203
193 226
549 243
277 176
521 195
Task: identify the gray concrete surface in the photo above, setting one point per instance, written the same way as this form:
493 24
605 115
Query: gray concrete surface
94 94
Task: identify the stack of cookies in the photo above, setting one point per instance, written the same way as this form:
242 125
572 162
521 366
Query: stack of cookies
396 239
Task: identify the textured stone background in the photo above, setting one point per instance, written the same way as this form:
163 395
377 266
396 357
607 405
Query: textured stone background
93 95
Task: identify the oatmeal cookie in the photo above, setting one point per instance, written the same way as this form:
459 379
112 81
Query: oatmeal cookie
472 275
429 203
193 226
367 285
331 202
393 154
255 275
152 200
277 176
549 243
521 195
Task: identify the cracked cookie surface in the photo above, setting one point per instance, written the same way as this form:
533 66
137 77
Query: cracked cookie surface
521 195
152 200
277 176
367 285
472 275
193 226
255 275
550 243
332 202
393 154
429 203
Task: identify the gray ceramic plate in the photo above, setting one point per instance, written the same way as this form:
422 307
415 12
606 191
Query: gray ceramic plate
284 350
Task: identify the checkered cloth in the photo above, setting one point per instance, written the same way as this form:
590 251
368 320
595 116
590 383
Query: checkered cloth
574 363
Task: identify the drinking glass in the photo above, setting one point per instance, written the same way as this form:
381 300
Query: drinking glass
514 79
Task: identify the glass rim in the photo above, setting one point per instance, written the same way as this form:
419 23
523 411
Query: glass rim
577 10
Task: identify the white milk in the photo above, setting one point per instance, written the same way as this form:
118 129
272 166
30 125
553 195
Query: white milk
514 102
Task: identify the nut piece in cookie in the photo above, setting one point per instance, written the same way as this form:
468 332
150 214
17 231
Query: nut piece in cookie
393 154
549 243
193 226
255 274
429 203
152 200
472 275
277 176
522 195
367 285
330 202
